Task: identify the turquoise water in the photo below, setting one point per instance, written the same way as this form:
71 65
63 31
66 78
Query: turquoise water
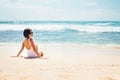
78 32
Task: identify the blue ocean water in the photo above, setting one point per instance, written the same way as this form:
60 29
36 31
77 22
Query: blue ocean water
78 32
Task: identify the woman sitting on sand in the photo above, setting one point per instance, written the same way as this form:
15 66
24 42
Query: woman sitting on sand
32 49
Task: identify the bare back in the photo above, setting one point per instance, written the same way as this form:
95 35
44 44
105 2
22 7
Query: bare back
26 43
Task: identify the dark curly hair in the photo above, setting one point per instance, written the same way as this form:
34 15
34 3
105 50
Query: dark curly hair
26 32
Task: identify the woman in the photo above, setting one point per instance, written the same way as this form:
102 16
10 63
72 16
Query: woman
28 43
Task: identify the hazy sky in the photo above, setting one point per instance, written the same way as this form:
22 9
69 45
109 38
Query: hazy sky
60 10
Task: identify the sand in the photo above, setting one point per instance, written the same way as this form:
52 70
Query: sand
61 62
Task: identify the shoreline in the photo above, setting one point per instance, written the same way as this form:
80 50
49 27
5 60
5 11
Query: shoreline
64 48
74 44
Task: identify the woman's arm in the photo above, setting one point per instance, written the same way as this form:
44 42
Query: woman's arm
34 47
22 47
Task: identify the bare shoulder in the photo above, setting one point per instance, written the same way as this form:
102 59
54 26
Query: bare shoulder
31 40
24 40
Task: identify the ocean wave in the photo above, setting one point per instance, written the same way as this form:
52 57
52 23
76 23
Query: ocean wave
34 27
45 27
95 29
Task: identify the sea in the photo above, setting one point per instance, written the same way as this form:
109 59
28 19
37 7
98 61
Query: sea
99 33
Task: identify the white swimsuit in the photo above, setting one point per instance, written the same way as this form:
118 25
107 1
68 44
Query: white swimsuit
30 53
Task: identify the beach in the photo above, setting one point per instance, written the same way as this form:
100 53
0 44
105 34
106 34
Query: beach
73 50
79 39
61 62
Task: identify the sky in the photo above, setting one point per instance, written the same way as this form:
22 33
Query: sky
74 10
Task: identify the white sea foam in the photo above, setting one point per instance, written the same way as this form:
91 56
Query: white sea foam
97 28
55 27
34 27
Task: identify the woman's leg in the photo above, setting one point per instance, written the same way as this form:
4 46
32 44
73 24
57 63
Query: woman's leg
40 53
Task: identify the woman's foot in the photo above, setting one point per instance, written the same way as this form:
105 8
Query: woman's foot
42 54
